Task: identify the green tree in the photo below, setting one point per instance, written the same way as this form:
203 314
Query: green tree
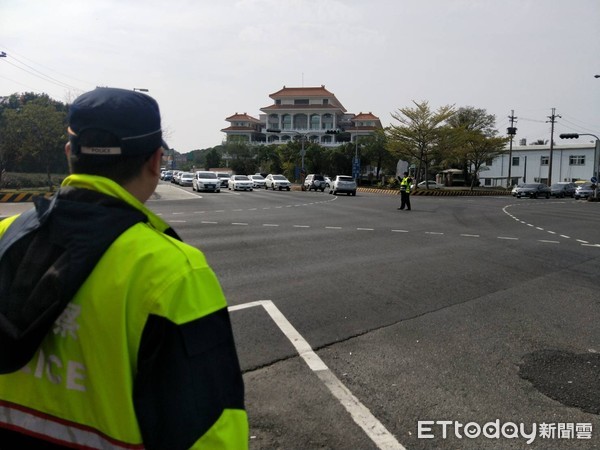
417 136
35 136
475 140
374 152
213 158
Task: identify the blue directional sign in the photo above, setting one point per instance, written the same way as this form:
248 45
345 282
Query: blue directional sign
594 180
355 168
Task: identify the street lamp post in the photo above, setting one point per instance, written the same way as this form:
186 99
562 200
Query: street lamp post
595 169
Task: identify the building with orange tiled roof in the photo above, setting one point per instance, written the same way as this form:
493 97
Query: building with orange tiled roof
311 112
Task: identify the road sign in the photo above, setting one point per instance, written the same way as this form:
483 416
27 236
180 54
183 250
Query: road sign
594 180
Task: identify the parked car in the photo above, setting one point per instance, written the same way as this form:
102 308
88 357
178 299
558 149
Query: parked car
167 175
176 174
224 177
186 179
533 190
241 182
206 181
258 181
280 182
514 189
563 189
314 181
584 191
429 185
327 182
343 183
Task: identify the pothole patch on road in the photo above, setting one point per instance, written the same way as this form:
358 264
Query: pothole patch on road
569 378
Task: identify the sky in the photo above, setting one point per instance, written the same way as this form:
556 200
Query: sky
205 60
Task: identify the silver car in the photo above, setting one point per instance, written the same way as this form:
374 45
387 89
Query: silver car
584 191
343 183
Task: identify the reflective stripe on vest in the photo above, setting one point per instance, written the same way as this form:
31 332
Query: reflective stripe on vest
56 430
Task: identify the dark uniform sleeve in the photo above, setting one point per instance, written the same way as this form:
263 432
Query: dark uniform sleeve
187 376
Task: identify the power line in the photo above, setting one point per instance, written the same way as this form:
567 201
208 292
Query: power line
37 73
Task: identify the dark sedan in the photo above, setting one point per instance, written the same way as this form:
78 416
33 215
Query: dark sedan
533 190
563 190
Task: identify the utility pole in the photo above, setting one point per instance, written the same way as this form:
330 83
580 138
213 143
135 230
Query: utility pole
552 121
511 132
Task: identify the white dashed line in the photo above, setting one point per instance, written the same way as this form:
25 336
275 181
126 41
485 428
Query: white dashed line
301 226
548 242
400 231
508 238
270 225
239 223
433 232
333 228
206 221
470 235
365 229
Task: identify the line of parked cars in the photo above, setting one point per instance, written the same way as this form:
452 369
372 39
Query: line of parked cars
558 190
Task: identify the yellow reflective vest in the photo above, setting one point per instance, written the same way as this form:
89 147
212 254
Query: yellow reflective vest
405 184
142 356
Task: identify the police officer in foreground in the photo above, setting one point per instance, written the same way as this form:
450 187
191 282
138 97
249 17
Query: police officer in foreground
405 184
113 333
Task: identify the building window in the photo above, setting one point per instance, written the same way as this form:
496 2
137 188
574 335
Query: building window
327 122
515 161
544 160
577 160
278 102
315 122
326 101
301 101
300 122
286 121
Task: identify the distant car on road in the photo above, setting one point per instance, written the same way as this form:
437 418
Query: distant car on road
258 181
343 184
206 181
276 181
224 177
314 181
429 185
186 179
584 191
533 190
240 182
563 189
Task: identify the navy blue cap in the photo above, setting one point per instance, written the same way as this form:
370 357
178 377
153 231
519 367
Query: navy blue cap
132 117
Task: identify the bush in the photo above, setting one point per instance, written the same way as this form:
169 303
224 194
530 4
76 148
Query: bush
16 180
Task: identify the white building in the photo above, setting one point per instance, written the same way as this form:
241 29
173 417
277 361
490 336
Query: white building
312 113
531 164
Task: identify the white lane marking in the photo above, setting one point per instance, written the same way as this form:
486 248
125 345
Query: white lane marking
508 238
365 229
565 236
433 232
301 226
548 242
270 225
582 242
206 221
400 231
333 228
361 415
238 223
591 245
470 235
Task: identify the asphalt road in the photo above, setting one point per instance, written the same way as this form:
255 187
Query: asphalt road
361 327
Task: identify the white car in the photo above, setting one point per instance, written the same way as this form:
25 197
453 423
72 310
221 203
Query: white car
428 185
277 182
206 181
343 183
224 177
258 181
241 182
186 179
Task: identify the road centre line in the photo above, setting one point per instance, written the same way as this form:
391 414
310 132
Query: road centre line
361 415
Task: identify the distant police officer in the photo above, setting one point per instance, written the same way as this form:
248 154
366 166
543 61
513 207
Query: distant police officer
113 333
405 185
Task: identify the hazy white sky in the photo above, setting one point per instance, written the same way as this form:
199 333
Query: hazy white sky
204 60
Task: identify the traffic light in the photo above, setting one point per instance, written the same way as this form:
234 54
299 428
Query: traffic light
569 136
